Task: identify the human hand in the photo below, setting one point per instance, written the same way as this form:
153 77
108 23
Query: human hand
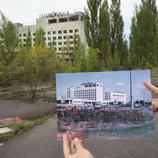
74 149
155 91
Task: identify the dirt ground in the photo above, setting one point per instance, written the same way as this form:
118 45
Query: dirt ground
13 108
15 101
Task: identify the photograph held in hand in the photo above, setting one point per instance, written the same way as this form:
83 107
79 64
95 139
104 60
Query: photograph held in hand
106 105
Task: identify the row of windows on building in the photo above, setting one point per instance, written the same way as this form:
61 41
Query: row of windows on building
85 91
63 48
56 38
56 43
90 94
61 37
63 43
53 32
70 48
68 19
91 85
107 96
86 97
85 94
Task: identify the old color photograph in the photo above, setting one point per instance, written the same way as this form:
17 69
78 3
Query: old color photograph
108 105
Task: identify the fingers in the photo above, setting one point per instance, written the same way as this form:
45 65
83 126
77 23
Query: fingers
75 145
155 105
73 150
78 144
151 87
155 91
66 147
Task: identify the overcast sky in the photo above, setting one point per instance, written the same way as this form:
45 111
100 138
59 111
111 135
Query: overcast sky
26 11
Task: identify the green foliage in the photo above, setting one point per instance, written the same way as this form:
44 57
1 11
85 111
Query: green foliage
28 44
26 126
22 127
113 62
8 46
34 66
117 28
79 56
125 53
8 40
104 28
4 74
92 23
86 27
93 63
39 38
144 35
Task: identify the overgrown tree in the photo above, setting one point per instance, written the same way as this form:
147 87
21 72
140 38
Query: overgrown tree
8 40
104 30
93 63
79 55
125 53
28 44
34 66
8 48
117 30
92 22
113 62
144 35
39 37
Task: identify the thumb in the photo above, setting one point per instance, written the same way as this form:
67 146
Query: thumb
78 144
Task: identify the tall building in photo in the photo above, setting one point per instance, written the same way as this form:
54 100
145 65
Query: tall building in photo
94 93
87 92
59 30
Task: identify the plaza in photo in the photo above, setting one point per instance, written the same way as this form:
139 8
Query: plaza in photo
109 105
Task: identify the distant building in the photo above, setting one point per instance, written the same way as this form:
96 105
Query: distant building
59 30
94 93
115 97
87 92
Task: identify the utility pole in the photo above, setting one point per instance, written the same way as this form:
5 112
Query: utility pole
143 98
131 97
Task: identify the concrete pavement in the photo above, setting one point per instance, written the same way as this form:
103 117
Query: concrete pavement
41 143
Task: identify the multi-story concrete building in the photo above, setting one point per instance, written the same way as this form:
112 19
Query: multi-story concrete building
87 92
94 93
115 97
59 30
